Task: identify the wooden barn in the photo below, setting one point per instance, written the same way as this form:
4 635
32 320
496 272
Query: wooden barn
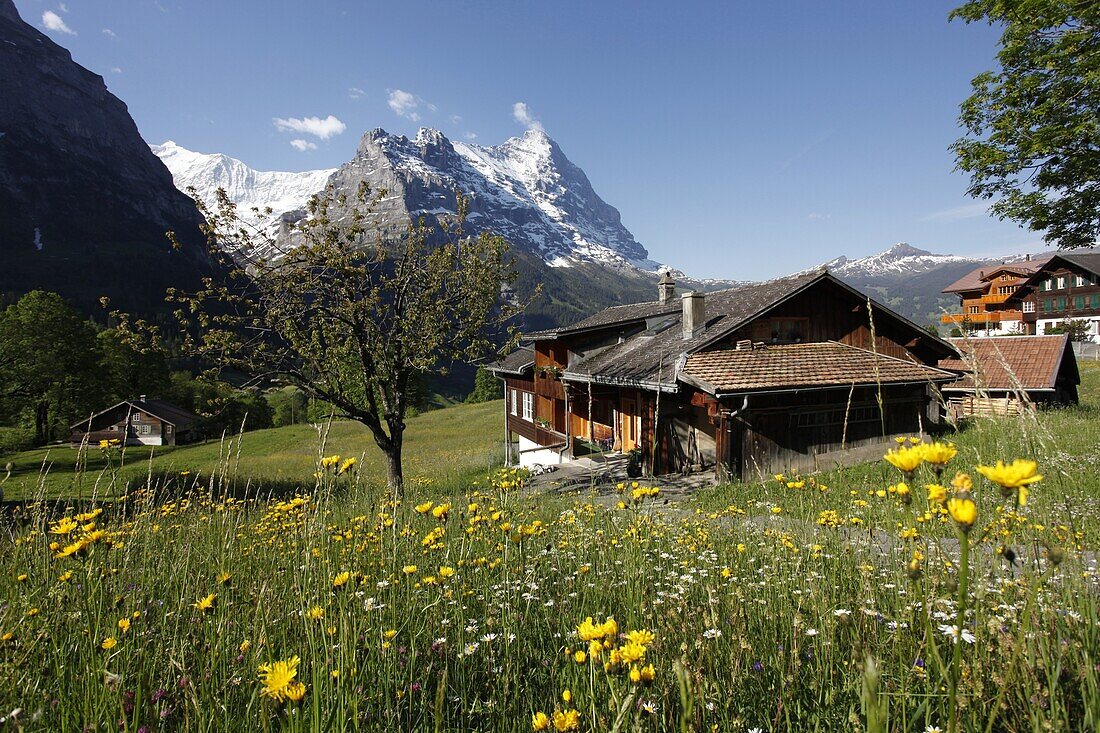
139 422
1002 376
793 374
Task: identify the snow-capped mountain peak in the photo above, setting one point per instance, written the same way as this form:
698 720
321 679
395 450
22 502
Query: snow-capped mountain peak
524 189
207 172
899 259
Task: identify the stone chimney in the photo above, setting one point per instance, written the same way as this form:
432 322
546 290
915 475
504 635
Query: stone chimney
694 313
666 288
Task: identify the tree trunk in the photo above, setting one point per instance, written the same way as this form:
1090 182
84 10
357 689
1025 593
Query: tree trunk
41 422
395 480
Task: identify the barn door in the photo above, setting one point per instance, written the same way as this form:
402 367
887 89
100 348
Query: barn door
629 426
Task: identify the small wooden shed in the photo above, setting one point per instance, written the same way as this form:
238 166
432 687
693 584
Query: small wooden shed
1009 374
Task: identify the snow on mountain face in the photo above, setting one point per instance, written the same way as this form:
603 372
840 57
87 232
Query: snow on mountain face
525 189
286 194
901 259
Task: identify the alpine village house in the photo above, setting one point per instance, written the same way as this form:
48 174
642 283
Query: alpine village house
142 421
787 375
1031 297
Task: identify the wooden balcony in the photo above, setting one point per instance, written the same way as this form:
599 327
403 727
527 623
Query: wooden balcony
996 298
986 317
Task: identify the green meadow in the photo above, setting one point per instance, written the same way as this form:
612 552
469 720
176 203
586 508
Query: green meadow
838 601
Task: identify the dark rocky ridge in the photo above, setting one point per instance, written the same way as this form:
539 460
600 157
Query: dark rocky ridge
84 203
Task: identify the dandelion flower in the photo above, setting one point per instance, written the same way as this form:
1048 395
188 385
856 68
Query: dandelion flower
341 579
278 678
566 720
905 459
1019 473
963 511
109 643
205 603
540 721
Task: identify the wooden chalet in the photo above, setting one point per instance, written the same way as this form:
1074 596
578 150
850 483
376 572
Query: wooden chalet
1030 297
1000 376
139 422
775 376
987 298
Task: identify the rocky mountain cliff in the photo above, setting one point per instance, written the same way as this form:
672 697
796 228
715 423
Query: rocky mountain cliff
564 235
84 204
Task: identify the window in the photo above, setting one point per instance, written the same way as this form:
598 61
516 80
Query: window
1029 306
1006 276
1061 282
1094 300
136 417
1079 302
1048 305
528 406
975 309
168 429
515 402
1046 285
146 429
1005 290
1061 305
1080 281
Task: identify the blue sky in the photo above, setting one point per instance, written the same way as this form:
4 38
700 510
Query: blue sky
738 139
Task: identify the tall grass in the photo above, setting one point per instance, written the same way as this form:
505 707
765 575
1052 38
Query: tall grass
788 604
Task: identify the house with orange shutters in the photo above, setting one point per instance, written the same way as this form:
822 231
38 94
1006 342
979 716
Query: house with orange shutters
793 374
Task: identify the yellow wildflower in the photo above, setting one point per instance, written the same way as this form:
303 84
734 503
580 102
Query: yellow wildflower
540 721
566 720
205 603
341 579
1019 473
109 643
905 459
278 677
963 511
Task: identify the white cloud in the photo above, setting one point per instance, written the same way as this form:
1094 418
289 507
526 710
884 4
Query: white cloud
315 126
523 115
116 70
303 145
63 7
455 119
966 211
110 33
471 136
52 21
355 93
404 104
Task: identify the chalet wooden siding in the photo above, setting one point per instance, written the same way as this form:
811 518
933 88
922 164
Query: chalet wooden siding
835 316
517 388
139 422
816 430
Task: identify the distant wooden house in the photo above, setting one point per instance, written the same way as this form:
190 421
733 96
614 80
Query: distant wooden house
1008 375
798 373
141 421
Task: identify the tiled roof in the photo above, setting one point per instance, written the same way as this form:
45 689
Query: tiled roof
792 366
616 314
514 363
973 279
650 357
1088 260
1009 362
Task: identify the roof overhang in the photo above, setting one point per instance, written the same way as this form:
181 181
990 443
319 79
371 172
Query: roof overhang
620 382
